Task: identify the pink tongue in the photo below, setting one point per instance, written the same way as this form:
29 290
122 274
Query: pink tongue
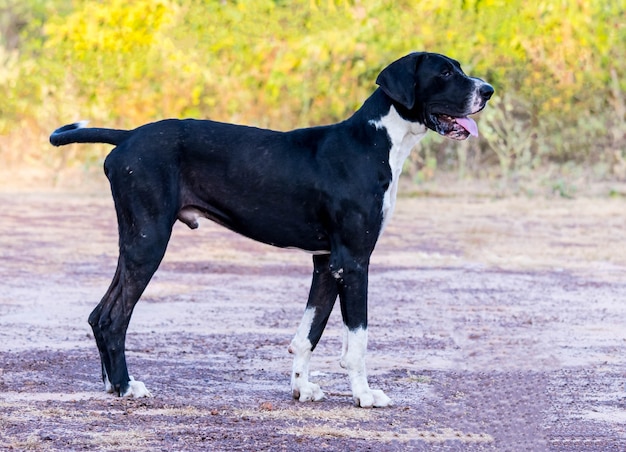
468 124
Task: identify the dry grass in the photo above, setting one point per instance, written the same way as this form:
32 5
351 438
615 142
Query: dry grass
404 435
335 423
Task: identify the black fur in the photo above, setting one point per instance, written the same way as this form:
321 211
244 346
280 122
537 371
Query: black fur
319 189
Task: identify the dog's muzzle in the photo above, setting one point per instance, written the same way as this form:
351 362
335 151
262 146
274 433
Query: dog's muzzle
456 128
461 127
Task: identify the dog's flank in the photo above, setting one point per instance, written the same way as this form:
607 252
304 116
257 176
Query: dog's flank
327 190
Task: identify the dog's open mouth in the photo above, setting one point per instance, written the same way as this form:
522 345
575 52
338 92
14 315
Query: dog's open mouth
456 128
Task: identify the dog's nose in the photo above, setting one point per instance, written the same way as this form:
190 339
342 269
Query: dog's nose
486 91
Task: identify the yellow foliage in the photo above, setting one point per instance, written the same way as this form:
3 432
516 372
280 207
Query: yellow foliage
283 64
109 26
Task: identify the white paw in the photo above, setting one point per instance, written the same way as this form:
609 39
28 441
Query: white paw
371 398
306 391
136 389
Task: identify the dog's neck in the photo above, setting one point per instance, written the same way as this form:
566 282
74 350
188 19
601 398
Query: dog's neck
403 136
380 112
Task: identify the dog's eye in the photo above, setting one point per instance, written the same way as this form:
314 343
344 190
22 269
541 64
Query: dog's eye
446 73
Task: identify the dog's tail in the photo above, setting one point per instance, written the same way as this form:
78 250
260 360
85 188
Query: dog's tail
79 133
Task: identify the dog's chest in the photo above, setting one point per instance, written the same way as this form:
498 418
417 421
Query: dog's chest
403 136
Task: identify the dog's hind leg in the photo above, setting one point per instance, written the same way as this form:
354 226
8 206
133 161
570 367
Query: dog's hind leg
112 292
322 298
110 319
146 207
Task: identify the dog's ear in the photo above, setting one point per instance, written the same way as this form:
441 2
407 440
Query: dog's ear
399 81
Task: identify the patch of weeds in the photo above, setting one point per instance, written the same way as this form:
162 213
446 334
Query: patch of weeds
563 189
423 379
616 193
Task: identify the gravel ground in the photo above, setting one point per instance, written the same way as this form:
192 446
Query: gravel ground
494 325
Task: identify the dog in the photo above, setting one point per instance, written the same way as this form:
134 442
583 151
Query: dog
327 190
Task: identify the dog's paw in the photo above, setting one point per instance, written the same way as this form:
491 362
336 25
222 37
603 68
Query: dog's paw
136 389
307 392
371 398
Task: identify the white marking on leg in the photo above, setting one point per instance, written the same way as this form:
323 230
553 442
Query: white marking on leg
301 347
344 346
404 135
136 389
354 360
108 387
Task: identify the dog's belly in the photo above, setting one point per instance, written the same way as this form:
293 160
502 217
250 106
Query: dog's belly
266 227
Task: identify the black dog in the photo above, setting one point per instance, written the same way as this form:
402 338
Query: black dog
326 190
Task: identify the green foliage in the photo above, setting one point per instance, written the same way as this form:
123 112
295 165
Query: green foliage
559 69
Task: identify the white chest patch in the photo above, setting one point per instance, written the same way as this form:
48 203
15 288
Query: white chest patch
404 135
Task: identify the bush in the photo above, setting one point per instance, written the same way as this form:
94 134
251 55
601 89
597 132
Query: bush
558 69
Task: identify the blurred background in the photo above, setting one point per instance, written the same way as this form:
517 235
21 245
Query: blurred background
556 124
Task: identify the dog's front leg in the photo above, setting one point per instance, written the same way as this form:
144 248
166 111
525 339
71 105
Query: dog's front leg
353 359
321 300
352 278
301 388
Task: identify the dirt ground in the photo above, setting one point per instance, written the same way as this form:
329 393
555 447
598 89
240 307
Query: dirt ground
494 325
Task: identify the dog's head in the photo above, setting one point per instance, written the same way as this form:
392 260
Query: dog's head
432 89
